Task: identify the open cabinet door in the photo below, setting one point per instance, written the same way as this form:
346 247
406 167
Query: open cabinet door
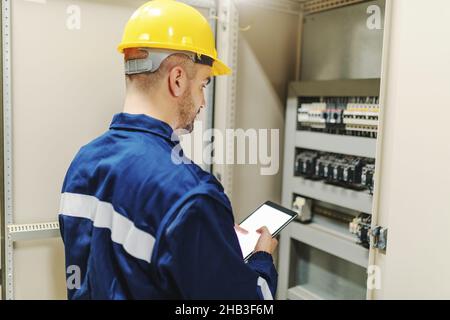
412 194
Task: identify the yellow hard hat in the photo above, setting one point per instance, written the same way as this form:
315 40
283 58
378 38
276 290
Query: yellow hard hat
172 25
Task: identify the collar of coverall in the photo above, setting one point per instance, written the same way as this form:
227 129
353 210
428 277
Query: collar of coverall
144 123
157 56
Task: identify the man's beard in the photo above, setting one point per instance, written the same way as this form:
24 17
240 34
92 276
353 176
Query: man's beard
186 114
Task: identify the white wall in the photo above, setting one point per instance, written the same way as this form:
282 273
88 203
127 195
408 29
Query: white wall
414 201
266 64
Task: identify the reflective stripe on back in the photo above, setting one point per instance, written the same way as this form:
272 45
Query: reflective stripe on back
135 242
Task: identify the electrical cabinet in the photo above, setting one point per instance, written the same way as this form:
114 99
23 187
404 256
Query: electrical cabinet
325 254
396 247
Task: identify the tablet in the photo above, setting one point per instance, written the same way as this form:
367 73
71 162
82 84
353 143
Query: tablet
271 215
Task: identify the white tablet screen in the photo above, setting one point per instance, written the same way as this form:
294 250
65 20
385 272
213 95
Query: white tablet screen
267 216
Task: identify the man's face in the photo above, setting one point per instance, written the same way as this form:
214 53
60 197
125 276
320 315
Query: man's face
192 102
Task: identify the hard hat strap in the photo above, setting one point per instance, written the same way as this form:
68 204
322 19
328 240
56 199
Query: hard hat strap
138 66
149 64
156 57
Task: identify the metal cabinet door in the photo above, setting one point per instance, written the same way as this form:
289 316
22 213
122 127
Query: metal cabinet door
412 197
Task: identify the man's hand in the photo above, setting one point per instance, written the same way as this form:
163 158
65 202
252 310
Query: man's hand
265 243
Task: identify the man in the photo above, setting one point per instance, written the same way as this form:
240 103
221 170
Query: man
135 223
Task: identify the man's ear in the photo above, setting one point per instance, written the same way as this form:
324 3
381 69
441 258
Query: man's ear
178 81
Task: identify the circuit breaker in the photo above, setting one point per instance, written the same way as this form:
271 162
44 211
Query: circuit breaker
343 170
356 116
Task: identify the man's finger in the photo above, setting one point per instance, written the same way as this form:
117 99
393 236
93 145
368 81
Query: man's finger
240 229
263 230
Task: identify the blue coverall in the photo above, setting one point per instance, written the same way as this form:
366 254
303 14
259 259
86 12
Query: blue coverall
138 225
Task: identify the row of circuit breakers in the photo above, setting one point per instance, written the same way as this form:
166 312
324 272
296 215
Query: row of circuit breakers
359 224
345 116
351 172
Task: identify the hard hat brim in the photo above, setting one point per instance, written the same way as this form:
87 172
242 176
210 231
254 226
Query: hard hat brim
220 68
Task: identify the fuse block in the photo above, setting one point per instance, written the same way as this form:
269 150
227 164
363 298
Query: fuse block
347 171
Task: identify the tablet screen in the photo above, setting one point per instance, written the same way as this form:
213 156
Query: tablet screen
266 215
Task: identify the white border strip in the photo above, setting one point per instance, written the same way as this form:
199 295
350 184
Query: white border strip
136 242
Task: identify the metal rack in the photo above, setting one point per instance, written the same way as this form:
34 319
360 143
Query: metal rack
356 200
316 235
20 232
